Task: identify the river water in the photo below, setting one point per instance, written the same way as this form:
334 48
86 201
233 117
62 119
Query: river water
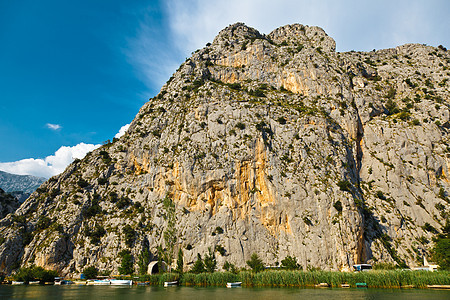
200 293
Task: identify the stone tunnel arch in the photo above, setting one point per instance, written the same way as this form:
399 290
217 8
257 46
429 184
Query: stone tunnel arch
153 267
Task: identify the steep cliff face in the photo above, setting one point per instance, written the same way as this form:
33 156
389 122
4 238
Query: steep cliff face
270 144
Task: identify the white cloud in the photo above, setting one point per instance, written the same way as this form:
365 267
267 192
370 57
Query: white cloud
122 131
53 126
51 165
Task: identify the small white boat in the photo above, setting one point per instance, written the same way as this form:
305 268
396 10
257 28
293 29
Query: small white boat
35 282
323 285
170 283
233 284
121 282
102 282
90 282
17 283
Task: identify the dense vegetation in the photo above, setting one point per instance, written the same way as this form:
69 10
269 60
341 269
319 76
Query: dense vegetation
441 250
35 274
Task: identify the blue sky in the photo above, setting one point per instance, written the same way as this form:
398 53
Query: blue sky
74 72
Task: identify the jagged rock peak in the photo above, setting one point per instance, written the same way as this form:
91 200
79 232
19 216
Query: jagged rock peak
294 34
237 31
301 34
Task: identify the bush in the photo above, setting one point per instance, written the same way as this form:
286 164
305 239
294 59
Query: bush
344 185
338 206
281 120
257 93
90 272
93 210
290 263
96 234
199 266
255 263
123 202
130 235
220 249
105 157
43 223
392 107
229 267
429 228
126 266
235 86
415 122
240 126
380 195
35 273
82 183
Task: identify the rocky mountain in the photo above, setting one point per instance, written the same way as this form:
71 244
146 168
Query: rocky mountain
274 144
8 204
20 196
25 183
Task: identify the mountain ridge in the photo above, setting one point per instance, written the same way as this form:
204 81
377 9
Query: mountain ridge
273 144
26 183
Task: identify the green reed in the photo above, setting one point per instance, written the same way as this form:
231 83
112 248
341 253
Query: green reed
296 278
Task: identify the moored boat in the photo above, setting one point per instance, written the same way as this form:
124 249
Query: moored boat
233 284
121 282
323 285
34 282
102 282
439 286
170 283
361 285
17 283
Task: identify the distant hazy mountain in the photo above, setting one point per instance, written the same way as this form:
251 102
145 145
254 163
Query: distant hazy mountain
24 183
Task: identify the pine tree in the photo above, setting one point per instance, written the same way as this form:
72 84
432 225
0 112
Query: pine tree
255 263
210 261
180 262
199 266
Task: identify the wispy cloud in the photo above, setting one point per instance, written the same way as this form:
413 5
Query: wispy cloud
51 165
53 126
354 24
152 53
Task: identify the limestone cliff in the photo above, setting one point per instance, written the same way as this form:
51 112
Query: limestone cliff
273 144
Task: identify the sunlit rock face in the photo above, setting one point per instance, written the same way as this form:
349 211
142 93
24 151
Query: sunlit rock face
270 144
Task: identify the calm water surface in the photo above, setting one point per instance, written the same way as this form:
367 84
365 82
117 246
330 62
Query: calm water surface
200 293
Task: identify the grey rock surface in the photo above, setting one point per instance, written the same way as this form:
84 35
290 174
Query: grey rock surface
271 144
19 183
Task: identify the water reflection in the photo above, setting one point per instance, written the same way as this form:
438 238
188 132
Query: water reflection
219 293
